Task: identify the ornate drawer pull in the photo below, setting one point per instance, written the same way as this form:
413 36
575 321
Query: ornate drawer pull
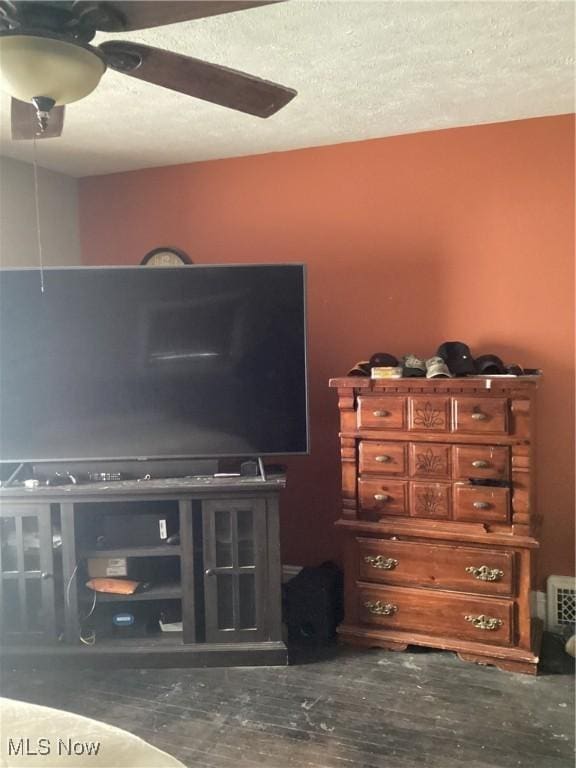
383 459
480 464
382 497
485 622
381 609
483 573
381 413
479 416
481 505
379 561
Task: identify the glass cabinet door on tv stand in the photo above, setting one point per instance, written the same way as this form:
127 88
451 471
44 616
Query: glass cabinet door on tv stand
234 569
28 554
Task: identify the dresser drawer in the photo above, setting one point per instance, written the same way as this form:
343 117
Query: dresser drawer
440 566
430 500
383 497
481 504
481 461
430 460
445 614
382 458
428 414
480 415
381 412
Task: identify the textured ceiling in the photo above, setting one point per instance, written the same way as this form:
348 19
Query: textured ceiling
362 70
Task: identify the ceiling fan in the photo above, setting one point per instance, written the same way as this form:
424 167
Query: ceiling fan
46 60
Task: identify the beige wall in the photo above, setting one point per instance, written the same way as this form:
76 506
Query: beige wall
58 203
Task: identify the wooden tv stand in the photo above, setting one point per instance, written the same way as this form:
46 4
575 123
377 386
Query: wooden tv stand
227 587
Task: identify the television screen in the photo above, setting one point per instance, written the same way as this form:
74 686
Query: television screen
137 362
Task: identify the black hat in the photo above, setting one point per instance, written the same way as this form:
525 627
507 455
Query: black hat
489 365
457 357
383 360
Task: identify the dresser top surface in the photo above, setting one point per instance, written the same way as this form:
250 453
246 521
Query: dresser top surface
475 383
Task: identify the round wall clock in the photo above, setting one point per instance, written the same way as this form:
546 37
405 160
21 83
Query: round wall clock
165 257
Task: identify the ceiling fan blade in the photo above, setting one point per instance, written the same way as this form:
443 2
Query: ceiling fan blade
143 14
197 78
25 122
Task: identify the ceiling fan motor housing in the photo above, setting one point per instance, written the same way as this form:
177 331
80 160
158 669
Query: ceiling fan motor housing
70 18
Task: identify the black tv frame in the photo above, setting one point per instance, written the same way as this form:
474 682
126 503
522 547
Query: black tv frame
58 463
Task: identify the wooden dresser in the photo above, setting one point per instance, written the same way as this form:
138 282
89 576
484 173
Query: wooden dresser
431 557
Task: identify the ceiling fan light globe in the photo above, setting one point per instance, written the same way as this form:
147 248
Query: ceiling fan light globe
33 66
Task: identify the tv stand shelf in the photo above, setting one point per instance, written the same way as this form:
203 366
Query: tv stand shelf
161 591
227 595
162 550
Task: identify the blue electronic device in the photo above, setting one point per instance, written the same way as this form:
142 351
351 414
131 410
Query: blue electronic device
123 619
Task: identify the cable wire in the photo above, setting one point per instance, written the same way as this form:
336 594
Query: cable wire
37 205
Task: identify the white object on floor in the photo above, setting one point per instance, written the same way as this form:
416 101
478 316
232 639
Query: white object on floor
174 626
31 735
570 646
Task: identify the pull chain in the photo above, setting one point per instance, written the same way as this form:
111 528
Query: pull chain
37 205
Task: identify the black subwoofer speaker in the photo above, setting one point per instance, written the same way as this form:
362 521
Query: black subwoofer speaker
313 604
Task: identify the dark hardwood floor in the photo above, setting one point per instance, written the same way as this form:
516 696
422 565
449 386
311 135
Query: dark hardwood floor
345 709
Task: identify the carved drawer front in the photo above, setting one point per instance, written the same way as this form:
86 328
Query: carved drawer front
480 415
481 504
429 460
383 497
430 500
381 412
440 566
429 414
481 461
383 458
446 614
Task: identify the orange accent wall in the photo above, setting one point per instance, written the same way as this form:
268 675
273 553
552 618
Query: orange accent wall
463 234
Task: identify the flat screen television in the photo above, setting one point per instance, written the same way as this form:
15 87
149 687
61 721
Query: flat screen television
129 363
